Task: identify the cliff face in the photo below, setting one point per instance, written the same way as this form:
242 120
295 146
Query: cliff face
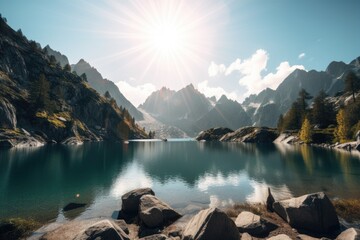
50 103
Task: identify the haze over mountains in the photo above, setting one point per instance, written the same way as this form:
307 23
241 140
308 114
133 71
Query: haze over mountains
187 111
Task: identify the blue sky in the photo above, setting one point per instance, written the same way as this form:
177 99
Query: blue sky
228 47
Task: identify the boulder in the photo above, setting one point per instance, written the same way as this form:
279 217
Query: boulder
155 237
155 213
270 201
253 224
280 237
102 230
312 212
246 236
123 225
211 224
131 200
213 134
251 135
306 237
6 143
7 114
349 234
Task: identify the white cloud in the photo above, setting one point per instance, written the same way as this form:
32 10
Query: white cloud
136 94
301 55
251 70
215 69
208 91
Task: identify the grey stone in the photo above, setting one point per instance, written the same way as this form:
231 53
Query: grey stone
102 230
211 224
123 225
7 114
349 234
280 237
305 237
270 201
131 200
155 237
253 224
312 212
6 143
246 236
155 213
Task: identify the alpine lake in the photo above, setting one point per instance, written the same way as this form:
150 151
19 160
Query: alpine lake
38 182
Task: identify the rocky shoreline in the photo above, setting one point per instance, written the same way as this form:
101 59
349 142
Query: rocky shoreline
144 216
265 135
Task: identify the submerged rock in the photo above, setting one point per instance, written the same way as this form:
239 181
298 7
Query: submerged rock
312 212
131 200
211 224
254 224
72 206
155 213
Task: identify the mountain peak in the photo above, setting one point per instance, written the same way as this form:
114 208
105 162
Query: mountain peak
223 99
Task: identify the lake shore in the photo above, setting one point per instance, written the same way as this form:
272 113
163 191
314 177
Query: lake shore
348 211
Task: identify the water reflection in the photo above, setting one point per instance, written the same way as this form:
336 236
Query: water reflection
38 182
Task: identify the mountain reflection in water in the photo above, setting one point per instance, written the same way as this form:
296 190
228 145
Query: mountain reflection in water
39 182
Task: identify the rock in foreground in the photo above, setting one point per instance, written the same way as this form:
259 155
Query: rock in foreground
155 213
102 230
211 224
349 234
131 200
312 212
253 224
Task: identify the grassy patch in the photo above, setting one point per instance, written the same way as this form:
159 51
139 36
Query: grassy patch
54 118
237 208
348 209
15 228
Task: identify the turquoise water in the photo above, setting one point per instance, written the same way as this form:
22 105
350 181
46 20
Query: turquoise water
39 182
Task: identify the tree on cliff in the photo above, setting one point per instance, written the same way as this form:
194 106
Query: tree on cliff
352 84
305 132
39 94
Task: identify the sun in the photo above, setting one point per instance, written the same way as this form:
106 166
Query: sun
166 38
163 39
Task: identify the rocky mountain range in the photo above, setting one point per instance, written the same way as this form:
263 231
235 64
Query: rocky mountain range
96 81
265 107
190 111
41 100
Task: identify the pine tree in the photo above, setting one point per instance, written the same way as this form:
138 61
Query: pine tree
342 130
280 123
305 132
39 94
67 68
322 112
352 84
107 95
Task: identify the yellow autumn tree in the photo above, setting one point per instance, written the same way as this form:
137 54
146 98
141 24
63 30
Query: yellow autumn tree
342 130
305 132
